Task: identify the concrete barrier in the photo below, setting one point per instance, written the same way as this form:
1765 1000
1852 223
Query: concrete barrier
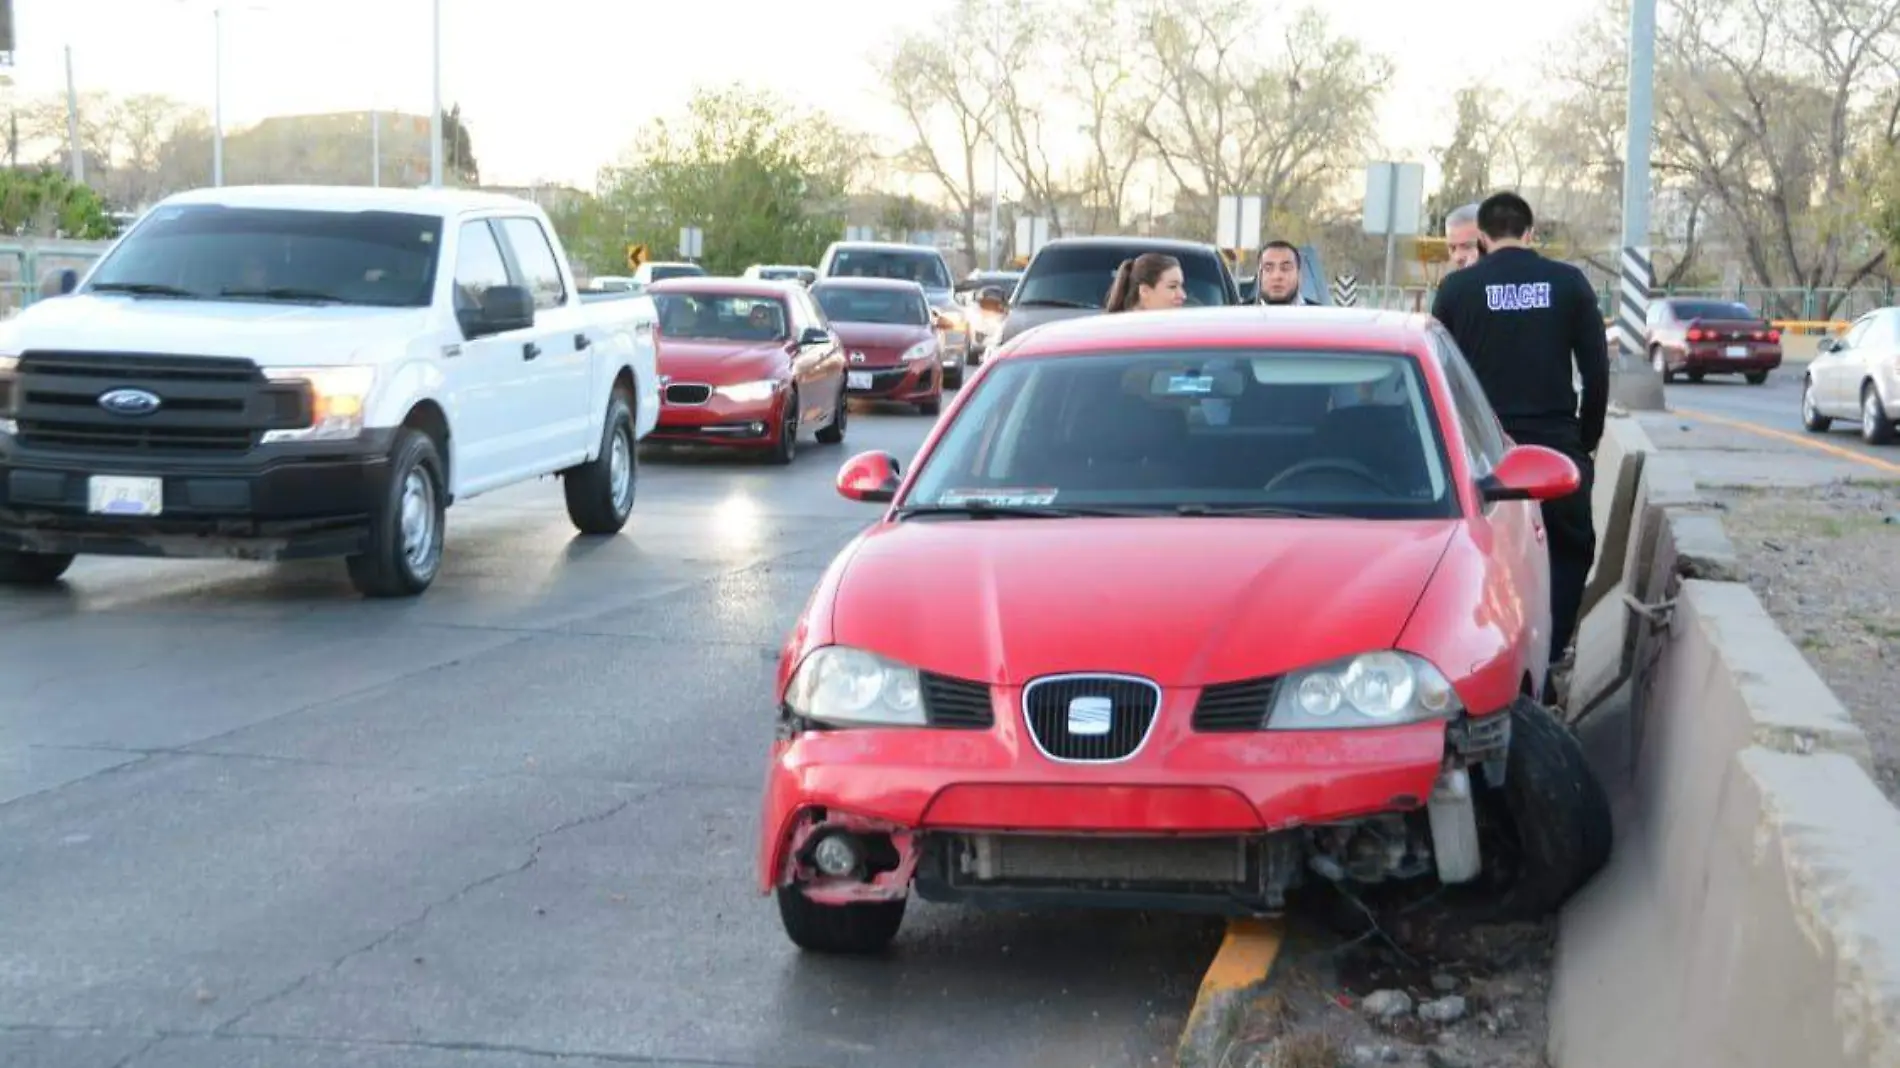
1750 915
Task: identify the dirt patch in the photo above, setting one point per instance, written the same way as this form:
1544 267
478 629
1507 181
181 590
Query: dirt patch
1822 561
1345 1004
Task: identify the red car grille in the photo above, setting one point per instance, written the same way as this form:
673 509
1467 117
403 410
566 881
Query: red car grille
873 356
1089 718
952 702
1235 706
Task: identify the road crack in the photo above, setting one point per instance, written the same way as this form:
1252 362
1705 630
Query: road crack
535 842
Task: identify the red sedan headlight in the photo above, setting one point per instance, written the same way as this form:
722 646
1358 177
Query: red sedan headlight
1380 689
845 687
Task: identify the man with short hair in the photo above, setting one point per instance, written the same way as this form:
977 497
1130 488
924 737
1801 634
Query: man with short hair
1461 236
1279 274
1520 319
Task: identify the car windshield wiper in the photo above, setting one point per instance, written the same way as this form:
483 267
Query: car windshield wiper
987 510
143 289
1252 510
283 293
1051 302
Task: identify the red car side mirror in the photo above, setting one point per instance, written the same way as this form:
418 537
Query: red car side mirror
1532 473
869 477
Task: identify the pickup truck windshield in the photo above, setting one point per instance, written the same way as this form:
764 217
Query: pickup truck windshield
1079 277
924 268
212 252
720 317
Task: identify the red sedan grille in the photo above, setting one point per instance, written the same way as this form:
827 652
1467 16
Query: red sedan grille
1235 706
873 357
1090 718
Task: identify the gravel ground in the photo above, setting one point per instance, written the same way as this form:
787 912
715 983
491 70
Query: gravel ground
1822 561
1336 1004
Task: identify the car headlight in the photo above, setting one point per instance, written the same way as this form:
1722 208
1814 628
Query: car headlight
1381 689
923 350
850 687
9 393
338 399
748 392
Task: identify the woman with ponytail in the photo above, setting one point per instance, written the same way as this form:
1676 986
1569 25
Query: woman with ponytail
1149 282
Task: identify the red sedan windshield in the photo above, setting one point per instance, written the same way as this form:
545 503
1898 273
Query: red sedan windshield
720 317
1348 434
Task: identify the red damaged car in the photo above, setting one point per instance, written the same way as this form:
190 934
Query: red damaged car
892 335
1185 610
747 364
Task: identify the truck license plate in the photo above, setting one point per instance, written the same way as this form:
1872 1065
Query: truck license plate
1738 350
119 495
857 380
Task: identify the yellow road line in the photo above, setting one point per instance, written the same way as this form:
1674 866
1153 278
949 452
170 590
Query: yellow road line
1246 955
1797 439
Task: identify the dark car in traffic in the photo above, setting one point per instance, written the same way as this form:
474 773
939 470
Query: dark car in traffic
1070 277
1698 337
921 264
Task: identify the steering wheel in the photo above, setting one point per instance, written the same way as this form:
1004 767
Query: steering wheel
1331 463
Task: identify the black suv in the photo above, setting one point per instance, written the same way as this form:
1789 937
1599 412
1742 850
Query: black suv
1070 276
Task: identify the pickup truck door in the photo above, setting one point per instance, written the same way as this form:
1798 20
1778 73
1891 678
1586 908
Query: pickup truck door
480 371
557 417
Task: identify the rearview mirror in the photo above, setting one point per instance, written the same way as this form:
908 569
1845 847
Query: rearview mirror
814 335
993 299
1830 344
870 477
66 281
503 308
1532 473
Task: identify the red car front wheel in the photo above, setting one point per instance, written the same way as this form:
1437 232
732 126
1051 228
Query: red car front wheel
861 928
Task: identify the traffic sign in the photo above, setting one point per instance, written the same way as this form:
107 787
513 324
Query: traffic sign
692 242
1346 290
636 255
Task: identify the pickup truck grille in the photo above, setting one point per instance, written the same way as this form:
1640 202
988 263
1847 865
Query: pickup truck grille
207 405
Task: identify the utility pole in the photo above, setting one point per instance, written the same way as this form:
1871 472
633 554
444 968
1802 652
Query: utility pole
217 96
435 109
1634 383
72 122
996 151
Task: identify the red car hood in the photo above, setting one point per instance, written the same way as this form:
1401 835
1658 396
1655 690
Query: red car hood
1182 601
719 363
880 335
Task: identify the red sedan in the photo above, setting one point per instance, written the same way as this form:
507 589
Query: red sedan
1185 610
1700 337
891 332
747 364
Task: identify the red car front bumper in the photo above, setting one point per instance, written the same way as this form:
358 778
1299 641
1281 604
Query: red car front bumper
919 787
904 383
1722 357
720 421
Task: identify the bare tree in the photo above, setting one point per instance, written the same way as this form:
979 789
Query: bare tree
1104 79
1230 121
1028 109
934 90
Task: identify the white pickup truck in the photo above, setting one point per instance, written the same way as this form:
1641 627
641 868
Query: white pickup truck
282 372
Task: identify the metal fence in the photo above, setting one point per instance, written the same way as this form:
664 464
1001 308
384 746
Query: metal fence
29 269
1806 310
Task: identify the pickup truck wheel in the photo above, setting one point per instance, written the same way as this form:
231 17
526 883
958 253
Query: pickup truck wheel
785 449
600 493
861 928
405 541
32 569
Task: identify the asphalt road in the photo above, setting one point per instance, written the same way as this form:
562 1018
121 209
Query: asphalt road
247 819
1773 405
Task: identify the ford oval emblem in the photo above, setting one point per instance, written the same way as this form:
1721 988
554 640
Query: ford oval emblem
129 401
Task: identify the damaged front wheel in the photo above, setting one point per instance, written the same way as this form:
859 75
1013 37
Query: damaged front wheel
858 928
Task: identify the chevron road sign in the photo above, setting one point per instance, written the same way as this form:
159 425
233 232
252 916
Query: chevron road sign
1346 290
1632 304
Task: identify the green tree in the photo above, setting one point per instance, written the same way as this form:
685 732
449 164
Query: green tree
45 203
764 182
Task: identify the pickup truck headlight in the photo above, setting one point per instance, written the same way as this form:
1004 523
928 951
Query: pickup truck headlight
9 393
923 350
338 398
1380 689
848 687
748 392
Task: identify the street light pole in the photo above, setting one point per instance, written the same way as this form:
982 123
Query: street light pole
1635 384
217 96
72 122
996 151
435 110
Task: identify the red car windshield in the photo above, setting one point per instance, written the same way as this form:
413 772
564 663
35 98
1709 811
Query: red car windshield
1347 434
863 304
720 317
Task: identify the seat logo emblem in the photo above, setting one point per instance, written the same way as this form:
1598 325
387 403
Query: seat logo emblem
129 401
1090 716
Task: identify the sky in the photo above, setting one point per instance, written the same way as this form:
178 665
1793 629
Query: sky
555 89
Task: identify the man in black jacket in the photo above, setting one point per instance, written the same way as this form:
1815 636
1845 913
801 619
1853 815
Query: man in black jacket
1279 275
1520 319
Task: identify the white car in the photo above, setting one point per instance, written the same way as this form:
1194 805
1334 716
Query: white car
280 372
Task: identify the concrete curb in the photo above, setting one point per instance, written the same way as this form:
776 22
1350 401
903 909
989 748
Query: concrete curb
1238 974
1747 917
